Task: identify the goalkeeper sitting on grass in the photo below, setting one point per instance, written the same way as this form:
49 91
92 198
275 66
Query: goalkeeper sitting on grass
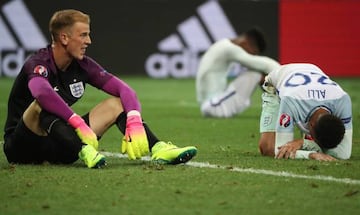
41 126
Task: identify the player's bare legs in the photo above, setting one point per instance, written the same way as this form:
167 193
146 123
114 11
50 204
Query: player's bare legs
267 144
32 120
101 117
104 115
110 112
235 99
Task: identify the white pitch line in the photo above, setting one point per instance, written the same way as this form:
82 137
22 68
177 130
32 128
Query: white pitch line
254 171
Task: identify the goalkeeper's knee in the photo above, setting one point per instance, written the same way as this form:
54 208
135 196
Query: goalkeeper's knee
60 132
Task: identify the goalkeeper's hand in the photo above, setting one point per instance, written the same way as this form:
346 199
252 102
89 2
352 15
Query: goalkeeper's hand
85 133
135 142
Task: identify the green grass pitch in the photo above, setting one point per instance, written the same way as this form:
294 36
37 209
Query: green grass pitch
228 176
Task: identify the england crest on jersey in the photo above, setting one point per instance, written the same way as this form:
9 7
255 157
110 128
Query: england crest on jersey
77 89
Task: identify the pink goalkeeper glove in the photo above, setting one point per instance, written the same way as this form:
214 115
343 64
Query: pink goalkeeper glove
135 142
84 132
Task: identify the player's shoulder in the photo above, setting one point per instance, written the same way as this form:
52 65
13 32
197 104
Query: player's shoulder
40 62
345 99
41 56
303 67
87 62
223 43
89 65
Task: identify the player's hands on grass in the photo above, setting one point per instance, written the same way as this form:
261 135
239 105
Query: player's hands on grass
135 142
85 133
321 157
289 149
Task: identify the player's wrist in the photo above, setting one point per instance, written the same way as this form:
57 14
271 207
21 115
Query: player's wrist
312 155
75 120
133 118
133 113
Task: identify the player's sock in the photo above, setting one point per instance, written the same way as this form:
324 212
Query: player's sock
121 124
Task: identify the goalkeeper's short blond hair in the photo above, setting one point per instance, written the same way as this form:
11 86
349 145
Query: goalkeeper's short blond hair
64 19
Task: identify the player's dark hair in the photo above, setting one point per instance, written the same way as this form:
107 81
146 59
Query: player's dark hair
257 36
329 131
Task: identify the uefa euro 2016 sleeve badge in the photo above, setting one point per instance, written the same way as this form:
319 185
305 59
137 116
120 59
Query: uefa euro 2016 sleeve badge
284 120
41 70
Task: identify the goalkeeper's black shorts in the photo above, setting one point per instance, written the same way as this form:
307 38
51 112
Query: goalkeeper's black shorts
25 147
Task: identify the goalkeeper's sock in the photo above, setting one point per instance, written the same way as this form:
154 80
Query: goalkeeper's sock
121 124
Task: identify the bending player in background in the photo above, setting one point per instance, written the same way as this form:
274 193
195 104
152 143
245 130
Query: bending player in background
303 95
41 126
216 96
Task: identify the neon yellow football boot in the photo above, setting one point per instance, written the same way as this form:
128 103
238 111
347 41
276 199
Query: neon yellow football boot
91 157
169 153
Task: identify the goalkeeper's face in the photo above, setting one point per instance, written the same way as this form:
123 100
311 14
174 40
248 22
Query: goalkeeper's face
77 40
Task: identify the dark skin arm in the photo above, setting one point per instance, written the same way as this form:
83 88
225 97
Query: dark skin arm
289 151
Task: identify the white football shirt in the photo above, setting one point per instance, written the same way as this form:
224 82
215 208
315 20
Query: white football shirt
211 77
303 88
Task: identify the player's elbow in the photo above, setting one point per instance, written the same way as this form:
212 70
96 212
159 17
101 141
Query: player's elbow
42 95
267 144
340 152
344 156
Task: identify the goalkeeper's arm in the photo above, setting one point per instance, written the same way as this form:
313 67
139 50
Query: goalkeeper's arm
50 101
